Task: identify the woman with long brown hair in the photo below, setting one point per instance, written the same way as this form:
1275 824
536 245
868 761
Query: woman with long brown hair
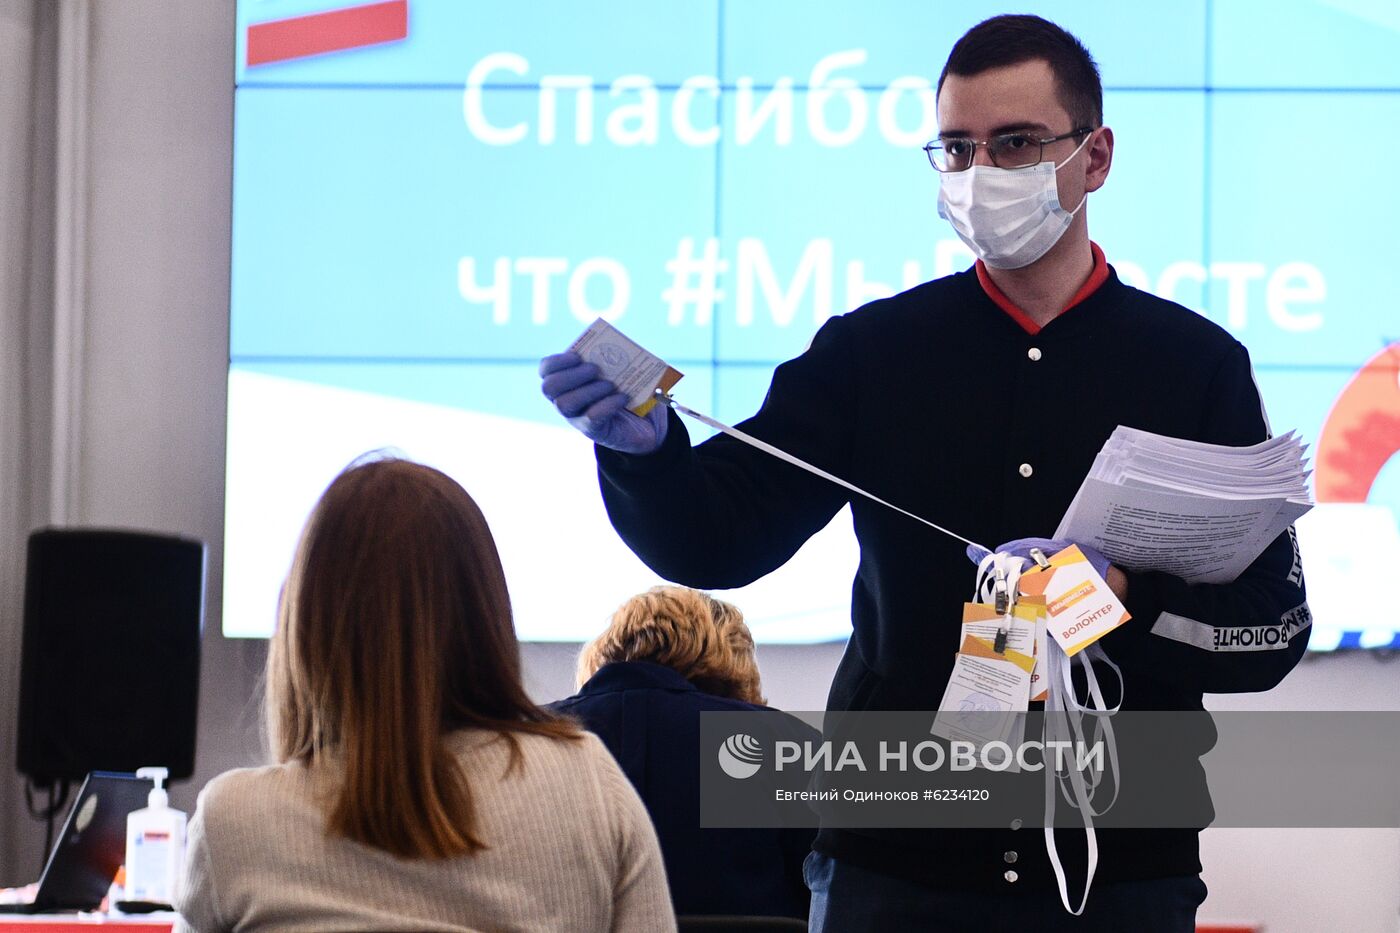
417 785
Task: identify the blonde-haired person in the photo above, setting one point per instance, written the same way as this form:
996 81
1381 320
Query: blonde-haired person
702 638
668 655
418 788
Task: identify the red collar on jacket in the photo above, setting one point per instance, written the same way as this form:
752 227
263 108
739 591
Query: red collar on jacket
1097 277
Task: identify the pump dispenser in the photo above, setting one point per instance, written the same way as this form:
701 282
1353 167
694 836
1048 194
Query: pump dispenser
155 845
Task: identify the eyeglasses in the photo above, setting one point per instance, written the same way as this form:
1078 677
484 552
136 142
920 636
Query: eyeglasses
1009 150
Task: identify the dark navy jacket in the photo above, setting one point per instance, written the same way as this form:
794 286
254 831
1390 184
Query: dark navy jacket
925 399
649 718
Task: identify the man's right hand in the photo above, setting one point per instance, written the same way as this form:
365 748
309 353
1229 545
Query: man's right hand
596 408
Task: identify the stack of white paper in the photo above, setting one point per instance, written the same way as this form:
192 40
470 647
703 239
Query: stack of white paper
1202 512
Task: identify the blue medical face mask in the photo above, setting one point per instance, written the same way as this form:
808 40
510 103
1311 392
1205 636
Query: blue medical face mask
1008 217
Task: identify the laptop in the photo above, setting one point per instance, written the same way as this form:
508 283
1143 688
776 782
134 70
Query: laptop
91 847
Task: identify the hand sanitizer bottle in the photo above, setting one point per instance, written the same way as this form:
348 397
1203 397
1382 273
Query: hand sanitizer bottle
155 845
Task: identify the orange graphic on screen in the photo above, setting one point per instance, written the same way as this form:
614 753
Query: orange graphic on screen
1362 431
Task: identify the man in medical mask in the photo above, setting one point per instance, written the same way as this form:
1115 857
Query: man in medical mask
1018 152
979 401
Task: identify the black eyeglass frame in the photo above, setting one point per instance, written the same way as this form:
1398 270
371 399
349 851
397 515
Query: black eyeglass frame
940 145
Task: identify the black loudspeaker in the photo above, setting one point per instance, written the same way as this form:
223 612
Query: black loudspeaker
109 674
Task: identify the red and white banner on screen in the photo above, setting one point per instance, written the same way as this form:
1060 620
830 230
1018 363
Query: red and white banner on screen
336 30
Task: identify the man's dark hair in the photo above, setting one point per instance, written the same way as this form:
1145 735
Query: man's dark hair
1016 38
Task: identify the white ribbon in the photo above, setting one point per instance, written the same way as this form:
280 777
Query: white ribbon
1064 723
994 568
789 458
1063 711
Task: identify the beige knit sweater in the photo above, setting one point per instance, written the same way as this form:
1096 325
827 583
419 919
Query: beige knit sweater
570 849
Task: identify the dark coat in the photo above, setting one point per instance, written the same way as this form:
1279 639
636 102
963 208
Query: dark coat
649 718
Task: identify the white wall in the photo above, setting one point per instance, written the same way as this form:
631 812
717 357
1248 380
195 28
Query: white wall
152 452
18 50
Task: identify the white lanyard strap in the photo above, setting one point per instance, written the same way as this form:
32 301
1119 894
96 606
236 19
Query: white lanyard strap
1060 727
802 464
1063 722
1103 720
994 569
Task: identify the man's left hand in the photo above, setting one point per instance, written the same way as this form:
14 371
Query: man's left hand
1021 547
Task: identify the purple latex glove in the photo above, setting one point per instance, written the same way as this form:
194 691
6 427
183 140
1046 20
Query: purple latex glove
1021 547
596 408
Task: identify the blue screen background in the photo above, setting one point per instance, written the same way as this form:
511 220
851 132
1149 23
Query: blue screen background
387 251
